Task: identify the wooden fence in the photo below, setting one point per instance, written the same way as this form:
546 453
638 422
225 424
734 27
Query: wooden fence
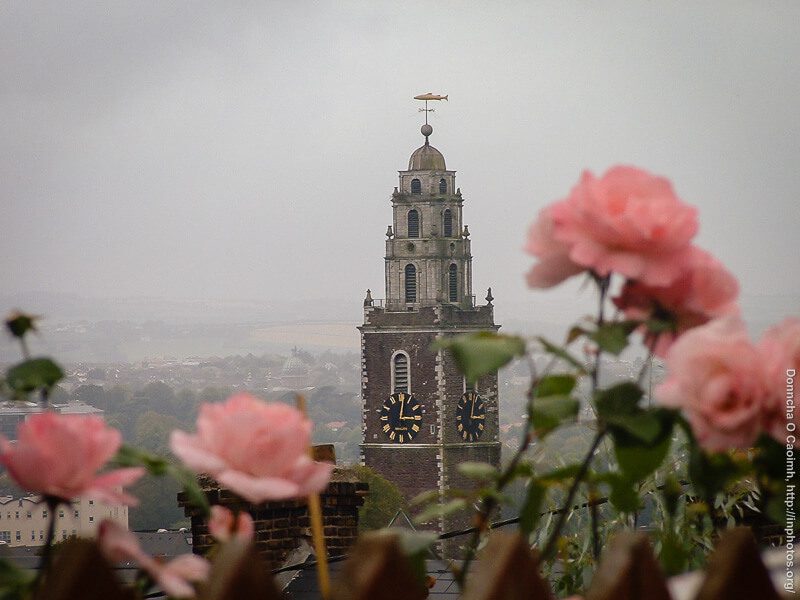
506 570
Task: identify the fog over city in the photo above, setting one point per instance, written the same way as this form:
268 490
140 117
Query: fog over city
232 162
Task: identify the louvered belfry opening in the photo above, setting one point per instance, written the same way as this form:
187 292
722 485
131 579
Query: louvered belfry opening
442 186
400 383
447 223
416 186
411 283
413 223
453 276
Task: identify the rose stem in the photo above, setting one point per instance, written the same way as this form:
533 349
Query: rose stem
315 513
44 562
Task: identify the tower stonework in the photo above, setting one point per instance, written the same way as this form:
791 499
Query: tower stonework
421 419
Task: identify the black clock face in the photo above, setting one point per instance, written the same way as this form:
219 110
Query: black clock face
401 417
471 417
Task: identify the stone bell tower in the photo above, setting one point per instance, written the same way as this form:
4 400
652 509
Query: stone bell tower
420 417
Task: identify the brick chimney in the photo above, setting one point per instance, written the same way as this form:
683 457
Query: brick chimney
281 526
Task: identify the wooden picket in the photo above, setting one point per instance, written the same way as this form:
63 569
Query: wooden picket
628 571
238 572
81 571
506 569
735 570
378 570
509 571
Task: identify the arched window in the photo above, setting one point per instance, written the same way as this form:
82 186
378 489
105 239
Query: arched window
400 376
416 186
469 387
453 276
447 223
442 186
413 223
411 283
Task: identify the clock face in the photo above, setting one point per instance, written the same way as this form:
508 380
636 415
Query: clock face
471 417
401 417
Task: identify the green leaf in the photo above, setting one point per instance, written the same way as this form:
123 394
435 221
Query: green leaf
636 459
531 510
574 333
709 472
775 508
674 557
549 412
440 510
643 424
522 469
413 542
770 458
624 496
14 582
416 546
613 337
20 323
425 497
552 385
659 325
560 474
128 456
480 471
482 353
194 493
621 399
561 353
672 493
33 374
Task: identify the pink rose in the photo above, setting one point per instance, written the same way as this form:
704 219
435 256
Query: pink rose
118 544
716 376
224 526
628 222
554 264
257 449
59 456
704 290
780 351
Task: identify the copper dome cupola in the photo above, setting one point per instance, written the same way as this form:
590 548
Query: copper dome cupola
426 157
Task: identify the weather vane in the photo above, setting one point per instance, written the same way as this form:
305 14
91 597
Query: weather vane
426 98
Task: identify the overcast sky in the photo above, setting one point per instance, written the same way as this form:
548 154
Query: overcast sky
221 150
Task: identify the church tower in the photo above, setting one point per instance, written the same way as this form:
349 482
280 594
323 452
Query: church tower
421 419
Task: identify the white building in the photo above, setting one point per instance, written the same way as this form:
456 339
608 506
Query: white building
24 521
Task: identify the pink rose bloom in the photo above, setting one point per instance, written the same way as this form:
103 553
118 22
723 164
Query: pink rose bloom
704 290
59 456
628 222
257 449
716 376
224 526
780 351
118 544
554 264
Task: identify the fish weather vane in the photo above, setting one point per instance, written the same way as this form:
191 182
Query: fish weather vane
427 97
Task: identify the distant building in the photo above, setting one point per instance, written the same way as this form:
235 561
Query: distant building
295 374
24 521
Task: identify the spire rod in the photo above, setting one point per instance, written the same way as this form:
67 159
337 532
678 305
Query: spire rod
427 97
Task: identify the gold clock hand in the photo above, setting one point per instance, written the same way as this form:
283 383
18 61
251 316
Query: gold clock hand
402 418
